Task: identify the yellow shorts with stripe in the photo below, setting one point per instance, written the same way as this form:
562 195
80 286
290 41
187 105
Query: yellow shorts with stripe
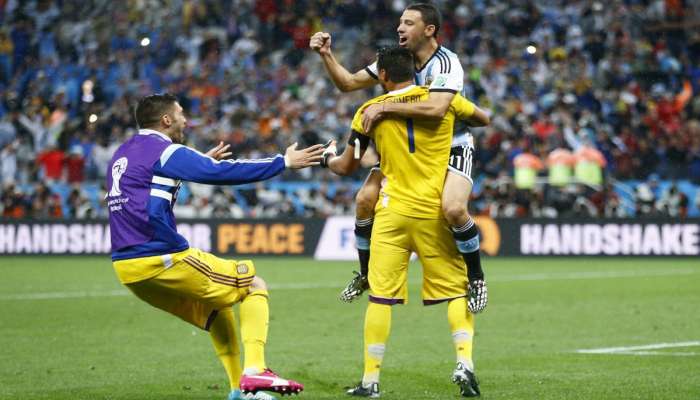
394 238
191 284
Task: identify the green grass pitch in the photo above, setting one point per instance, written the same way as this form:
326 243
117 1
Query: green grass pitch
68 330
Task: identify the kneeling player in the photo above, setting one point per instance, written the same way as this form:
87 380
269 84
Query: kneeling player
157 264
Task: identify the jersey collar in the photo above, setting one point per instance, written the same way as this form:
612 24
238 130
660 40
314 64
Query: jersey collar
418 70
153 132
402 90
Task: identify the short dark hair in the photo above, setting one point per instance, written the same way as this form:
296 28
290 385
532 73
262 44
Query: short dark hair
397 62
429 13
151 108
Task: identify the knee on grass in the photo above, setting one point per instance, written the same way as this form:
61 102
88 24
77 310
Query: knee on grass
258 284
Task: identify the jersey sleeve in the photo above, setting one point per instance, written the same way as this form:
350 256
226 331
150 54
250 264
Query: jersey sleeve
181 162
462 107
372 71
357 133
356 125
449 75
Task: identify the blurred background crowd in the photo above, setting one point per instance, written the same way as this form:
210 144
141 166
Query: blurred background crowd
593 104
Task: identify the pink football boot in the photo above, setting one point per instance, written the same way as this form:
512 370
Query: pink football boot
270 382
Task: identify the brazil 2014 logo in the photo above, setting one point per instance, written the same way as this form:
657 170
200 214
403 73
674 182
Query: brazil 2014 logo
118 169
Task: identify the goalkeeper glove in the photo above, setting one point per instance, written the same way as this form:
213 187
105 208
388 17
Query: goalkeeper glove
478 296
330 151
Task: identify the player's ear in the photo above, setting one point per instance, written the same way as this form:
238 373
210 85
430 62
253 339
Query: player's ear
166 120
429 30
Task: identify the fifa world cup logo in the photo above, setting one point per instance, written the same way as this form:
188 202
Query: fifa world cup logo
118 169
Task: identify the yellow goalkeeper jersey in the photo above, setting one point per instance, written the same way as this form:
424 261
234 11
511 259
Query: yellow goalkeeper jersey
414 153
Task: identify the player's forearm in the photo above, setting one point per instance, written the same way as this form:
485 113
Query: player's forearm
423 109
341 77
347 162
339 166
479 118
192 166
238 172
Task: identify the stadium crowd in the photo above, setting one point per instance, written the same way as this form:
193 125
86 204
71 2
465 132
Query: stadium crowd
617 76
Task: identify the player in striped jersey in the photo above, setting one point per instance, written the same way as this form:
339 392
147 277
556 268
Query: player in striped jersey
157 264
440 69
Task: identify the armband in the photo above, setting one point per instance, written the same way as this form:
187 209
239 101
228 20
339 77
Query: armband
364 140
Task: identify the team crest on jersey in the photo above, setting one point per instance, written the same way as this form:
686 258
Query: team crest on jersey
118 169
428 80
241 269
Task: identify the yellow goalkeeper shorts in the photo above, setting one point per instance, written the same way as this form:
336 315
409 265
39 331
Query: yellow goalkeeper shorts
192 284
394 237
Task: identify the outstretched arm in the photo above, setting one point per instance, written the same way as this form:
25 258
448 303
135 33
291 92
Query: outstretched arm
469 112
345 81
479 118
181 162
349 161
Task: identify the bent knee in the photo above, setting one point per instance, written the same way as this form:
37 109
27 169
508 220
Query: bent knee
365 200
258 284
455 212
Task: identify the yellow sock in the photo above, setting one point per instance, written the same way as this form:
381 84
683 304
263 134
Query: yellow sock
255 316
462 328
377 327
225 339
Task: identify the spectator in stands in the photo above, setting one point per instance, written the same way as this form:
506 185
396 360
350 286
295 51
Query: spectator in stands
75 165
673 203
645 201
241 66
8 163
51 162
560 164
40 201
589 166
526 165
6 50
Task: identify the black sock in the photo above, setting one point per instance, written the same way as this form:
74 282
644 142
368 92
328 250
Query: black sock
363 233
467 239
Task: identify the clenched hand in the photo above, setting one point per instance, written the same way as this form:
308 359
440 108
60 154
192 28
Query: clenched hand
320 42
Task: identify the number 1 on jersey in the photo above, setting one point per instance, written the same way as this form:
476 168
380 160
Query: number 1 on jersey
411 137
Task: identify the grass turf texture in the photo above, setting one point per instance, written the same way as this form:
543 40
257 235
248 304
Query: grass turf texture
69 331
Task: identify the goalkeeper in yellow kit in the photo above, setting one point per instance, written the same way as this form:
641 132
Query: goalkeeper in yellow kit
414 155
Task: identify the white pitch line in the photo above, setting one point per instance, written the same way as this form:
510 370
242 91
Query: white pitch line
63 295
593 275
658 353
654 346
575 275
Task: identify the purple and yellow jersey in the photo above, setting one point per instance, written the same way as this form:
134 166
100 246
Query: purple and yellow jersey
143 178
